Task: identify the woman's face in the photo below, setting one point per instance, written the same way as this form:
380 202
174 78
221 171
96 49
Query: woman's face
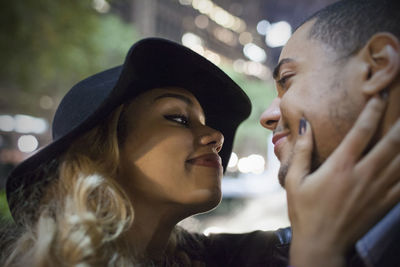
168 155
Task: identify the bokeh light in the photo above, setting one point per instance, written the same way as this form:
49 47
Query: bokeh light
278 34
27 143
254 52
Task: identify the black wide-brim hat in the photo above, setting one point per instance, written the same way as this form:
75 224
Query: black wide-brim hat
150 63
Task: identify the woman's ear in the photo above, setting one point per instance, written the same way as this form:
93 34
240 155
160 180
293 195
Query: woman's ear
382 57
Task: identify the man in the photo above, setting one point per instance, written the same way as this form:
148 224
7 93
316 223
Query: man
333 64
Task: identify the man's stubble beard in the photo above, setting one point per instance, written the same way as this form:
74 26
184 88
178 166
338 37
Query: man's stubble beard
316 162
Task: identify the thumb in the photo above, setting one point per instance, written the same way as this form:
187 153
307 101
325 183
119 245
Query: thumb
301 160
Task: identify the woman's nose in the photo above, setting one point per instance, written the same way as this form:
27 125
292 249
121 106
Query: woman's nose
213 138
271 116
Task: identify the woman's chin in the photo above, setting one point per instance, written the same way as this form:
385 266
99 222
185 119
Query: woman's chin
206 201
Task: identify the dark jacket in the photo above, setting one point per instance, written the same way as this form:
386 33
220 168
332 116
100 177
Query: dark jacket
258 248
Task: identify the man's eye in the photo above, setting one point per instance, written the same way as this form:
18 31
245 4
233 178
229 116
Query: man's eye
181 119
283 81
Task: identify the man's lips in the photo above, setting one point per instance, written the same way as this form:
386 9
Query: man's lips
278 139
208 160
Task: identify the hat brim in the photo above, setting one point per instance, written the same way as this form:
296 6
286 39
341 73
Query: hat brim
150 63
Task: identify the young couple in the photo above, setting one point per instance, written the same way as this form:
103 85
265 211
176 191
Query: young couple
139 147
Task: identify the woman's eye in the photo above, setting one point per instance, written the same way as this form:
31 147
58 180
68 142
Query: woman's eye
181 119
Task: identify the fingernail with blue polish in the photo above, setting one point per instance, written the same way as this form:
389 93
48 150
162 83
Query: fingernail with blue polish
302 126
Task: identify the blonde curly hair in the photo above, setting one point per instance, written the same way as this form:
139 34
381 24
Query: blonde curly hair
83 211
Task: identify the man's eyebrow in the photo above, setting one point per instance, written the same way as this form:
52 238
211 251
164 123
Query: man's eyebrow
275 73
178 96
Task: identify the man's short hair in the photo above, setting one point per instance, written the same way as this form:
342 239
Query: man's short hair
347 25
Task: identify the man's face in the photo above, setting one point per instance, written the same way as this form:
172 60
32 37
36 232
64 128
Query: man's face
312 83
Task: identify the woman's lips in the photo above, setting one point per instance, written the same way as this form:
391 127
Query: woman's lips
208 160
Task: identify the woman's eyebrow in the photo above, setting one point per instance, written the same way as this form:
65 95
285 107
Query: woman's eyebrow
177 96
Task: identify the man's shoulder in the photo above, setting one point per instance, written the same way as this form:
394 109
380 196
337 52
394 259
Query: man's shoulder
380 246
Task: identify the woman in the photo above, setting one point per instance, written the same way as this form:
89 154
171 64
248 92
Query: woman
136 149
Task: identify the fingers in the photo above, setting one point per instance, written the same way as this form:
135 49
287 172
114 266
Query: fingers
383 153
301 161
390 181
364 128
389 190
383 189
392 198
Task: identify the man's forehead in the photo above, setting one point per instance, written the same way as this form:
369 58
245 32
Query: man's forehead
301 49
298 41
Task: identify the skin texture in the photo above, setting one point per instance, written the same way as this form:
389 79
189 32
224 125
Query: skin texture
165 133
349 143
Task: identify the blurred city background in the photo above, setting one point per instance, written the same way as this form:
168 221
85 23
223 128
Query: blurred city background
46 46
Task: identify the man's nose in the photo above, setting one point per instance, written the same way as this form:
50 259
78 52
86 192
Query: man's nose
270 117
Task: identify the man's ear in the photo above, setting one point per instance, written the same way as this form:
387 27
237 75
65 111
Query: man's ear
382 57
